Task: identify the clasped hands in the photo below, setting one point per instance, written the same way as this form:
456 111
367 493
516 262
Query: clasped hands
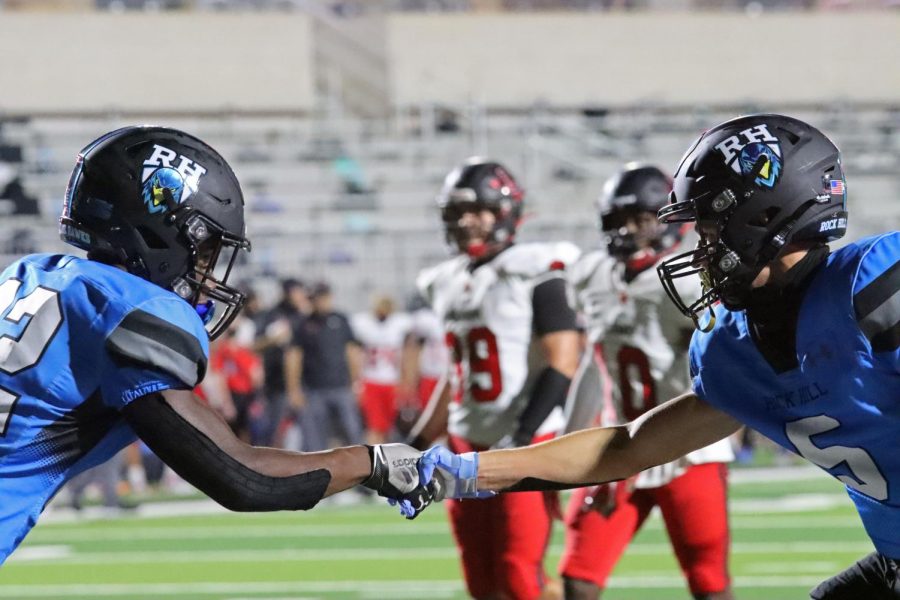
412 480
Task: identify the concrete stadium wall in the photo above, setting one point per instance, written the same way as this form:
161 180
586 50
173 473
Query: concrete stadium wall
155 62
570 59
265 62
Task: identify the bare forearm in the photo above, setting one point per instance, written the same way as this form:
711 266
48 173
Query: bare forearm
583 457
663 434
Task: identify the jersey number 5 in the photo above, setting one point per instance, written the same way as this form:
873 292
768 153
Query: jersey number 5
17 353
866 477
484 380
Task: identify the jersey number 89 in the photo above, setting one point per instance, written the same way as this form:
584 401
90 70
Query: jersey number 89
484 382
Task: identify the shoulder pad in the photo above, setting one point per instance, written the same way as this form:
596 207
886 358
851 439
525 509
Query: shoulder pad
536 258
428 278
163 334
588 264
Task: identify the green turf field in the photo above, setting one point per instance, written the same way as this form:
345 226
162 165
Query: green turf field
787 536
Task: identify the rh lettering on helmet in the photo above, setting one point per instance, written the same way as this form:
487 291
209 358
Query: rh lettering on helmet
754 135
189 170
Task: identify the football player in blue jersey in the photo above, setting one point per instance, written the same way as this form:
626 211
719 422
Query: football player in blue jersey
95 352
800 342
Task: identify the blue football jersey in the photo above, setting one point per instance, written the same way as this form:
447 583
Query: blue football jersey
79 340
840 408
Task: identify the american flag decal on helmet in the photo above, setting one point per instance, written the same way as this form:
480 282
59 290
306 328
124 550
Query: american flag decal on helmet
837 187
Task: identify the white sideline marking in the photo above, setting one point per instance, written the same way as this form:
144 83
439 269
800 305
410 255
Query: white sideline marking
47 535
400 528
380 589
787 504
42 553
771 568
423 588
383 554
804 472
205 506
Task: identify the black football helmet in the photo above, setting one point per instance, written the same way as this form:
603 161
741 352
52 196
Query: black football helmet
760 182
635 192
166 207
480 184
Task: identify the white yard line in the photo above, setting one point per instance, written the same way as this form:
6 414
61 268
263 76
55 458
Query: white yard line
369 589
48 535
58 556
752 506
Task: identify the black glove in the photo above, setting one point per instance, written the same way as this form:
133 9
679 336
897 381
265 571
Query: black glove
395 476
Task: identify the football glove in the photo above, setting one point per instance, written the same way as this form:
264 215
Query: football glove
452 475
395 476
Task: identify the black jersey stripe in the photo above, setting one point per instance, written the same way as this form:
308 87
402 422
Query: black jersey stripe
157 343
887 340
877 292
878 310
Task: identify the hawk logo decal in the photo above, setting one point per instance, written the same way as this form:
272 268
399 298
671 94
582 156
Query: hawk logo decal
169 179
760 160
163 191
756 153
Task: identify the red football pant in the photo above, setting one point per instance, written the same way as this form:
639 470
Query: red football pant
426 387
379 406
694 508
502 540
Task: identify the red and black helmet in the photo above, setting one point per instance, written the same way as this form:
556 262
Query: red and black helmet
480 184
636 190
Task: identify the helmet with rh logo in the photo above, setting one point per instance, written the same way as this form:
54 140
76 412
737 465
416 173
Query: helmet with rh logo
165 206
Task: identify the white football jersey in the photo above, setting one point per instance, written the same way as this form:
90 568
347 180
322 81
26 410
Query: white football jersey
435 357
487 314
382 342
642 339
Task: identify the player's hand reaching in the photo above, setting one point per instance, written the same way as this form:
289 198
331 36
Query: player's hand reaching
395 475
451 475
607 497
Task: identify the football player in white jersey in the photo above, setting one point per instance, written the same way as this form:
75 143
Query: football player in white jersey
514 349
430 357
383 334
639 346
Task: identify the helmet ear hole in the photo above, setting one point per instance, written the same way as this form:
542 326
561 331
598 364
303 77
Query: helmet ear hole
151 238
764 217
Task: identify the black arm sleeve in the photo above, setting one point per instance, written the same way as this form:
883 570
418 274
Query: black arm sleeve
550 307
533 484
549 392
204 465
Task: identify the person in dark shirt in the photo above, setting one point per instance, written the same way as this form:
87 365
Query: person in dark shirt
321 368
274 331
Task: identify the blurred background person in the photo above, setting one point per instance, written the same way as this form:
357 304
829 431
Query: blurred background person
233 357
433 356
638 347
384 336
106 477
506 310
275 328
321 369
